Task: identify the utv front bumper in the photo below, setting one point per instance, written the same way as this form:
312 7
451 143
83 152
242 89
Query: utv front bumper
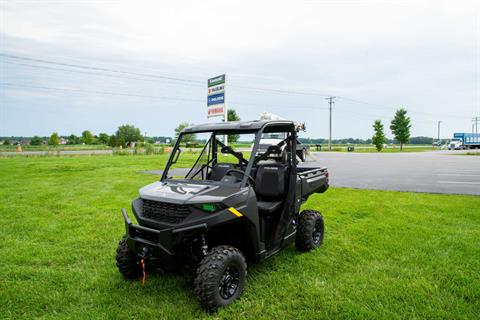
158 243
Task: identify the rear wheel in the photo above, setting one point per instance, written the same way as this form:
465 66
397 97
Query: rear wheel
221 277
310 230
126 261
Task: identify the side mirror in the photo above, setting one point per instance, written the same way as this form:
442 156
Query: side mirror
177 154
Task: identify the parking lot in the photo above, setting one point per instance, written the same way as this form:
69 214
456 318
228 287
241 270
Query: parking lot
432 171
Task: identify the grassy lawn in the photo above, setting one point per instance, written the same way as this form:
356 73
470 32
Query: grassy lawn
43 147
386 254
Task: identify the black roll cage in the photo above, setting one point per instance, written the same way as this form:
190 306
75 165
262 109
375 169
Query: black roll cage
269 127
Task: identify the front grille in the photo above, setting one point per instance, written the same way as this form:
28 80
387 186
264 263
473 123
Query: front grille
164 211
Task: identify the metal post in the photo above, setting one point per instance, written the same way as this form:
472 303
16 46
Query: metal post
438 141
330 103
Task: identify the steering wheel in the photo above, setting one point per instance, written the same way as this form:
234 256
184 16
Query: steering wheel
252 181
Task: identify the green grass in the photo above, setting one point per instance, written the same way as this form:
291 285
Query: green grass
57 148
386 255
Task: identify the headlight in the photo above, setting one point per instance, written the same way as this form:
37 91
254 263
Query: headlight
210 207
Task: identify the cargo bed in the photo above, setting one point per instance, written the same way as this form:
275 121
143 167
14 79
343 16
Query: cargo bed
311 180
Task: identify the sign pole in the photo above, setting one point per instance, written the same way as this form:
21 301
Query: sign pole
216 104
225 119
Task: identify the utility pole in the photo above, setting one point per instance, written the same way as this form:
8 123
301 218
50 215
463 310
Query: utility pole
438 141
330 103
475 120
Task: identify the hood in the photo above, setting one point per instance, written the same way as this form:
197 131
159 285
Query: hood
182 193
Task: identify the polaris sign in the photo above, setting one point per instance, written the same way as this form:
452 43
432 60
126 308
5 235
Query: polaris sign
216 96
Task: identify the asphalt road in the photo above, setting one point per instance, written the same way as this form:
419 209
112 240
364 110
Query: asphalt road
431 171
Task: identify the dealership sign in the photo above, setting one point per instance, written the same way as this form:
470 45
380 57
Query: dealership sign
216 96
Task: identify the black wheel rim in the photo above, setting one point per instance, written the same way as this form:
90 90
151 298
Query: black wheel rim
229 282
317 232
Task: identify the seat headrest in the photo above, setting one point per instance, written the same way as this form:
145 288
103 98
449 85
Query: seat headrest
270 180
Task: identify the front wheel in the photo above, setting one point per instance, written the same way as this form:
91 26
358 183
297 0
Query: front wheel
310 230
127 262
221 277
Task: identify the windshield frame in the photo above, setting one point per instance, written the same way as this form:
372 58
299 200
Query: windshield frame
268 127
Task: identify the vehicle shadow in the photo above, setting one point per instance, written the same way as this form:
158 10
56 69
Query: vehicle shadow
173 290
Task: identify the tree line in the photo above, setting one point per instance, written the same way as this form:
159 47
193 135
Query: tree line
127 134
124 136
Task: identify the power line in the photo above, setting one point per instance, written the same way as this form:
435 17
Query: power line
178 80
79 66
89 73
94 68
378 106
281 91
97 92
101 92
148 75
259 90
157 77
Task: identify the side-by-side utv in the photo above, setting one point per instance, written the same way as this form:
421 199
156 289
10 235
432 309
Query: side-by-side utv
227 209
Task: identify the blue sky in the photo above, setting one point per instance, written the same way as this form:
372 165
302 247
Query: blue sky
375 56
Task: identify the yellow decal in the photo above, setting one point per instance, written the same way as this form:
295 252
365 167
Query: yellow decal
235 212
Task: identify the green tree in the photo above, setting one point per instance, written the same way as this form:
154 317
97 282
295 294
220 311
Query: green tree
103 138
232 116
73 139
189 138
378 138
127 134
400 127
54 140
6 142
36 141
112 141
87 137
